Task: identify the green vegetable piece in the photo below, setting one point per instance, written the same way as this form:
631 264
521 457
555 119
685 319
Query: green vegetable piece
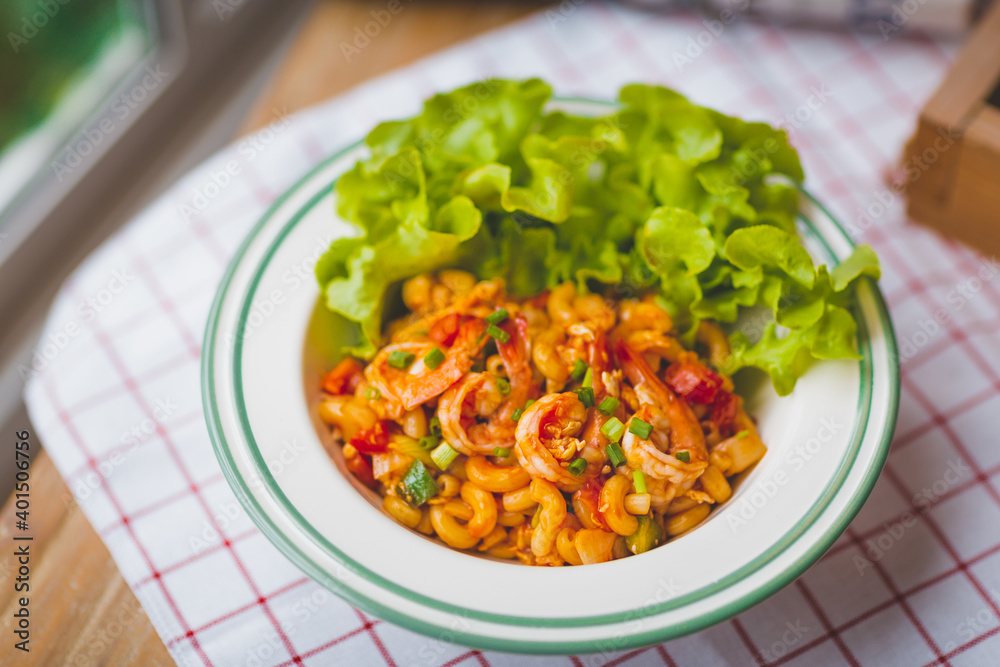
503 386
577 467
501 452
579 369
443 455
588 378
399 359
434 358
683 456
497 333
418 484
428 442
609 405
613 429
516 416
640 428
373 393
639 477
497 316
586 396
646 536
615 454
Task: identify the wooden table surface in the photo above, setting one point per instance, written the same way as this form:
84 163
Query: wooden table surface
82 611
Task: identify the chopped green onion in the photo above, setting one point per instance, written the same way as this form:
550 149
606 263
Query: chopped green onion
428 442
529 403
577 467
609 405
399 359
443 455
501 452
434 358
373 393
586 396
579 369
418 484
744 433
639 478
497 316
499 334
588 379
613 429
435 425
503 386
517 414
615 453
683 456
640 428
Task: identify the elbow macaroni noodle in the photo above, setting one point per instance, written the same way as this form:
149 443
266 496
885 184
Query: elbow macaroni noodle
447 424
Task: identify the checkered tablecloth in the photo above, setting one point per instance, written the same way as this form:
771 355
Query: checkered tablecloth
914 581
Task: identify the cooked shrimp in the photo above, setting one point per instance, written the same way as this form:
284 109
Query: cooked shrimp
657 344
675 428
412 386
478 397
546 438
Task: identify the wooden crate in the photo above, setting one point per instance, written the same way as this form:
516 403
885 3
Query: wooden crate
951 167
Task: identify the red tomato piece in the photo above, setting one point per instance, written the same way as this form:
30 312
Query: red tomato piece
361 467
372 440
724 411
344 377
696 383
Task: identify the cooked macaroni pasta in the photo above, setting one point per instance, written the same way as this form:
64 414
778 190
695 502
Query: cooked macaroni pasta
563 429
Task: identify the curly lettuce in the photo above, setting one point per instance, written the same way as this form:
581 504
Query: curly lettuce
659 194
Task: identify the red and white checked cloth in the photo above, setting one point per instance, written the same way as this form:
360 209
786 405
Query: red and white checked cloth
916 579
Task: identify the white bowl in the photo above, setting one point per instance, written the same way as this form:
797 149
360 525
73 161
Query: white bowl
268 340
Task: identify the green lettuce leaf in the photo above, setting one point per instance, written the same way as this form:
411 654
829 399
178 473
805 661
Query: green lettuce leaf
659 194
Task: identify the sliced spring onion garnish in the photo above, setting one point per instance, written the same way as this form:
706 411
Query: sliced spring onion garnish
639 477
497 316
586 396
640 428
683 456
399 359
434 358
609 405
577 467
615 454
503 386
443 455
497 333
501 452
613 429
579 369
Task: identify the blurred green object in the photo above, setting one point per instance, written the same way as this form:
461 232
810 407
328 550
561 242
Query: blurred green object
50 45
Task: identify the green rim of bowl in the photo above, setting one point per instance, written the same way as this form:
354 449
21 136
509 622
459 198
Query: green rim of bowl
318 573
